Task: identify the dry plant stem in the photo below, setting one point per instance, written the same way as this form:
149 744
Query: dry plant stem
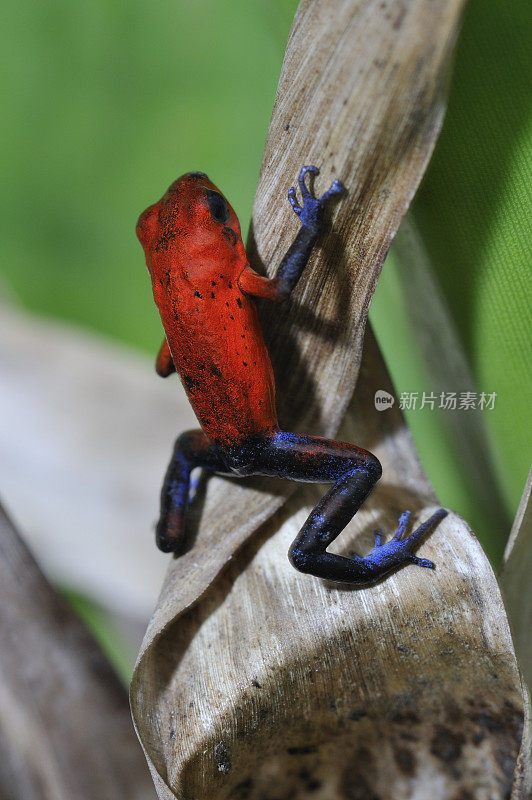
255 681
517 592
515 580
65 730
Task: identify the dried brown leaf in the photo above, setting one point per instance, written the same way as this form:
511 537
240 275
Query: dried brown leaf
253 680
65 730
515 580
517 592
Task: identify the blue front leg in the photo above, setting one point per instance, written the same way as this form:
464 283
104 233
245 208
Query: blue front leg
311 214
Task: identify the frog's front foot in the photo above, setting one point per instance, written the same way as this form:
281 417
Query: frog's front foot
400 550
311 212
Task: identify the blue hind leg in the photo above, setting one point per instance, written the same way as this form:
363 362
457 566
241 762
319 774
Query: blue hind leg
192 449
353 472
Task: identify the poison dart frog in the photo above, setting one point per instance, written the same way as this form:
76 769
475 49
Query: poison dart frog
204 287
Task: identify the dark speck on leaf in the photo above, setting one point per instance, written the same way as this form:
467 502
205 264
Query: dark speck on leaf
446 744
355 786
357 714
222 758
405 760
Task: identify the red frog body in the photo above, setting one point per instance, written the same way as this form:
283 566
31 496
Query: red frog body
211 325
204 286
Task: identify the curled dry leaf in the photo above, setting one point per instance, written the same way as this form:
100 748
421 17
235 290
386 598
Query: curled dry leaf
517 592
515 580
65 730
255 681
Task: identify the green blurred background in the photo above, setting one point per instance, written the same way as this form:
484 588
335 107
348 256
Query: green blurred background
106 102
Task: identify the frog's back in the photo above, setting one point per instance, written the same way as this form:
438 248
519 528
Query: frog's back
195 254
218 349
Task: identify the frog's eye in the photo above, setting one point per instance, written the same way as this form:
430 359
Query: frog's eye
217 206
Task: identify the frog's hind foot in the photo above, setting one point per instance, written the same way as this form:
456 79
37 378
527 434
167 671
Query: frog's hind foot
170 531
400 549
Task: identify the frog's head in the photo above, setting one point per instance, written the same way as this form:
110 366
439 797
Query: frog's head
193 220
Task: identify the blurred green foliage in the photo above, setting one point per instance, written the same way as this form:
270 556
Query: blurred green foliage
472 213
105 103
99 623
